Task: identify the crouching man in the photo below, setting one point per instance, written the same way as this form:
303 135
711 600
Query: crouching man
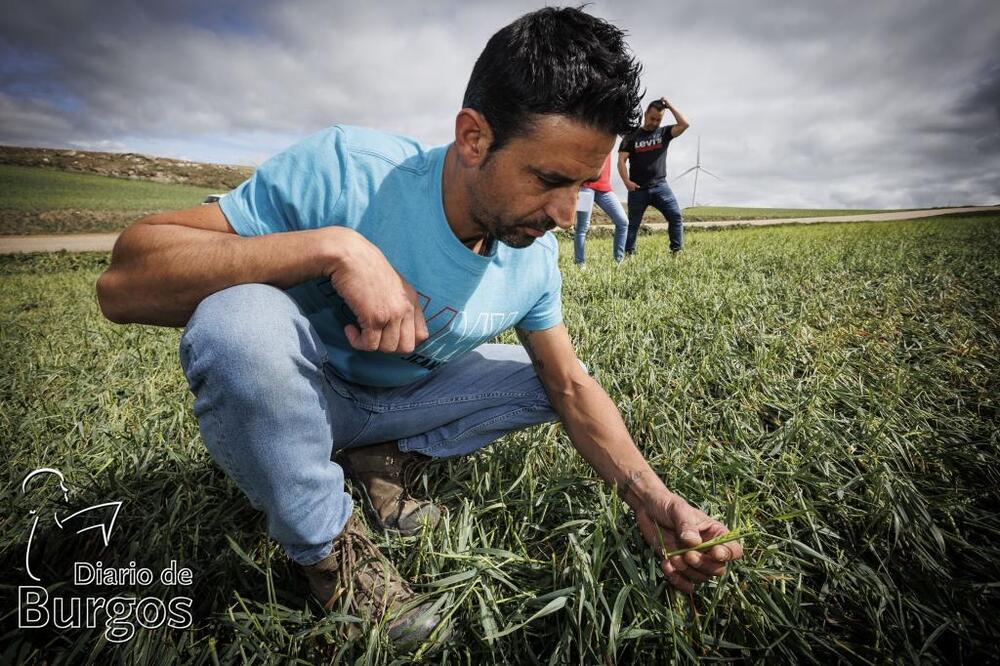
338 305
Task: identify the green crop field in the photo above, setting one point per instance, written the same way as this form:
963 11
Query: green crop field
32 188
832 388
41 200
711 213
37 200
705 213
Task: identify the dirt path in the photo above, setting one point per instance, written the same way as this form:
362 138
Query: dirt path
104 242
54 243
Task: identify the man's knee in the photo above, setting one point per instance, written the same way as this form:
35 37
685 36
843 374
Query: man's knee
242 304
635 216
245 329
668 206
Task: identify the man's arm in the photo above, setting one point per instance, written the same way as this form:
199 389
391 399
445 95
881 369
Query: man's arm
623 171
163 266
681 125
598 432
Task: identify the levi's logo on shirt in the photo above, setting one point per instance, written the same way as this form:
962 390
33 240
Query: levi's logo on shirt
652 143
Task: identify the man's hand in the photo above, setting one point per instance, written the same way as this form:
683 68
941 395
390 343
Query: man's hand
597 431
631 186
681 124
669 523
665 102
387 307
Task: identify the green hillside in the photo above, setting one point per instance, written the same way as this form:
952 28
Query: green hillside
35 188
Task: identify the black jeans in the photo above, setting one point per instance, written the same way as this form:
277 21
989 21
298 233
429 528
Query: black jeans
661 197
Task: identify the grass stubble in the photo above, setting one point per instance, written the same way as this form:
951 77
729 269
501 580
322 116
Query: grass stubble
831 389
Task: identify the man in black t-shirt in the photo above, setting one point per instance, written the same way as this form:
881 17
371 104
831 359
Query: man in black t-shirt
645 150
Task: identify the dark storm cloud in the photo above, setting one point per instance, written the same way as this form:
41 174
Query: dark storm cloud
977 113
860 104
985 92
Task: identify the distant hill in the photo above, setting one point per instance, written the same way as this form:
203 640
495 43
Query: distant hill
132 166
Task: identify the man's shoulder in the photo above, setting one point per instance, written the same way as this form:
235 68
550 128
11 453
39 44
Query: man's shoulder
368 143
358 143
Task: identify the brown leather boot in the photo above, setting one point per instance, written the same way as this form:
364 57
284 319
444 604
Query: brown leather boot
378 474
355 578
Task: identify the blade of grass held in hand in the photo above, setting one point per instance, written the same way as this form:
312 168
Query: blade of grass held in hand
708 545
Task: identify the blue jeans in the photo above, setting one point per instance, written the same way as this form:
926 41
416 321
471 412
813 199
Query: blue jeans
272 410
662 199
609 203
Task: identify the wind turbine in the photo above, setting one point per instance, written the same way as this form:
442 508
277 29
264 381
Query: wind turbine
696 168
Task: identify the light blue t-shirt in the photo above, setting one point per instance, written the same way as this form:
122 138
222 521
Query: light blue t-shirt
388 189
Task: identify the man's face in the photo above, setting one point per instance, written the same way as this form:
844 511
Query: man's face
530 185
652 119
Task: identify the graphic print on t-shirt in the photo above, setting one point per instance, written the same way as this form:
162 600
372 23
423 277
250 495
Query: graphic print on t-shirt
645 145
647 162
449 332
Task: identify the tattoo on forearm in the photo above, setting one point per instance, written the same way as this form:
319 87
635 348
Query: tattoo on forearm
525 338
626 486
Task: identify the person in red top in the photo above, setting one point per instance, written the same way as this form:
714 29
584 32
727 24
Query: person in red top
600 191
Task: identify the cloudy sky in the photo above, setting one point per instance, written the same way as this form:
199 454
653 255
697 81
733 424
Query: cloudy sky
854 104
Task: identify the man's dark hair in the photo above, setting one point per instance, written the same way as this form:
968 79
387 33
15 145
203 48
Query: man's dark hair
656 104
555 61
